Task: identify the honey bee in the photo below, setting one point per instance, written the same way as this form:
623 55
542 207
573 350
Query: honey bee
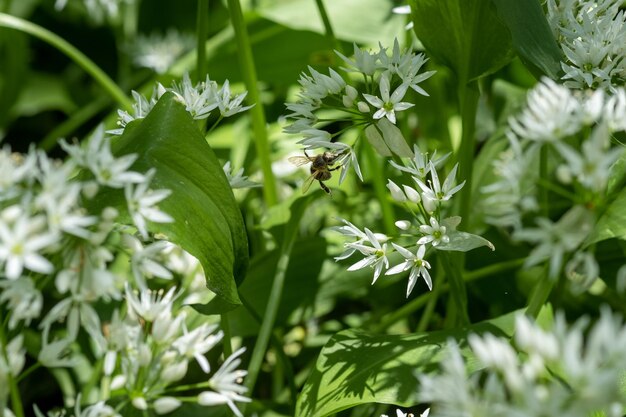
321 167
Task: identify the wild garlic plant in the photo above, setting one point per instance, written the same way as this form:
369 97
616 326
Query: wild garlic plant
568 370
592 35
75 264
425 196
577 130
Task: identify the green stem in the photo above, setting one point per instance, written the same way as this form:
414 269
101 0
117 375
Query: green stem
432 301
280 352
330 34
74 54
269 318
256 113
228 347
380 188
543 177
418 302
16 400
468 101
76 120
454 271
202 33
540 294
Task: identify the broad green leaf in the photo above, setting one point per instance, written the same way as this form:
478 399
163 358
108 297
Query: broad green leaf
363 21
464 242
532 37
465 35
612 224
356 367
208 223
394 139
376 140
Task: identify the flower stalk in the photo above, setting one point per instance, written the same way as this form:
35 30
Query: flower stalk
74 54
257 114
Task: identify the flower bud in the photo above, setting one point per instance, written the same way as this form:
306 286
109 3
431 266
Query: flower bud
412 194
140 403
166 405
351 92
396 192
363 107
403 224
118 382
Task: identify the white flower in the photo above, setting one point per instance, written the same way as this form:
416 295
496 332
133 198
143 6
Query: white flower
238 180
24 301
159 51
388 105
416 263
141 108
142 204
230 105
21 244
435 233
195 343
555 240
436 192
375 255
228 382
199 100
148 261
149 304
97 157
552 113
363 62
420 165
349 230
591 167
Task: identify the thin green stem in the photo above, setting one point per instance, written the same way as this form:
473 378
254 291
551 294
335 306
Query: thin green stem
74 54
468 101
280 352
430 305
256 113
16 399
454 271
228 347
76 120
380 188
330 34
202 33
269 318
540 294
418 302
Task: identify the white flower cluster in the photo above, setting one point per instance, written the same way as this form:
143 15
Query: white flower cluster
386 80
576 128
592 35
149 348
572 371
63 268
426 200
199 100
159 51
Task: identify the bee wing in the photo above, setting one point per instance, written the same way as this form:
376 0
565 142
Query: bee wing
307 183
299 160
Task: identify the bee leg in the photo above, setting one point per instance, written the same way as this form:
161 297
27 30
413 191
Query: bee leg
324 187
335 168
